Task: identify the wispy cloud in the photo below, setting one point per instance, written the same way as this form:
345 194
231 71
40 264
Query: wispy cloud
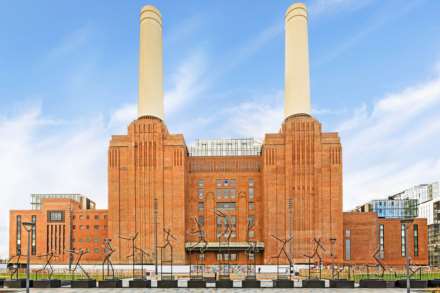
319 7
393 145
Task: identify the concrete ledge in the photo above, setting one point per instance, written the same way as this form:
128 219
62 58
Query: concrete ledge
412 283
86 283
434 283
313 283
376 283
167 284
282 283
341 283
226 283
113 283
19 283
251 283
196 284
54 283
139 283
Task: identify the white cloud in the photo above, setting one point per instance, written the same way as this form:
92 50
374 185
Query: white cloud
394 145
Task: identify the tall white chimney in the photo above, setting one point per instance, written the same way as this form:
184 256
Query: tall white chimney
296 70
150 96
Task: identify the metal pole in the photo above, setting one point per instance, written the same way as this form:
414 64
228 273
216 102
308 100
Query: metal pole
408 286
28 260
155 235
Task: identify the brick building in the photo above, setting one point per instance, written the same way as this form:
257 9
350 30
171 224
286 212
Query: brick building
288 186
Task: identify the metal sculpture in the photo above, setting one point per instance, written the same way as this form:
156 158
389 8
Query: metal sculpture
202 244
225 237
13 269
108 250
318 246
79 254
163 248
47 266
133 248
251 250
283 251
142 253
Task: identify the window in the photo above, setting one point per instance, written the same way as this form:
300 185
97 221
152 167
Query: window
18 239
251 182
201 193
87 239
251 256
96 217
251 220
81 217
233 221
381 241
347 249
251 194
218 193
251 206
96 240
34 236
403 239
416 240
219 221
226 205
55 216
201 183
96 227
82 227
233 256
251 233
218 182
73 227
105 217
96 250
201 206
201 220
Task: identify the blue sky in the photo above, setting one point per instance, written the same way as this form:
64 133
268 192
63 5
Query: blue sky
68 80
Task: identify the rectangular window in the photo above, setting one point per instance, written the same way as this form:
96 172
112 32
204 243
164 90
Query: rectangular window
96 227
403 239
347 249
218 193
201 194
34 236
201 220
251 256
96 250
251 182
251 220
416 240
219 256
226 205
55 216
18 239
201 183
251 206
233 256
381 241
251 194
201 206
96 217
251 234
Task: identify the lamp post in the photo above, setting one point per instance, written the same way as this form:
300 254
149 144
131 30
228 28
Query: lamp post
405 223
28 227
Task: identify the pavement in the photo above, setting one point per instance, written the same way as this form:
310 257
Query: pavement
234 290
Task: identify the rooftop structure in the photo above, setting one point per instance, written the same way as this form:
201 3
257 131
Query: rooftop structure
226 147
83 200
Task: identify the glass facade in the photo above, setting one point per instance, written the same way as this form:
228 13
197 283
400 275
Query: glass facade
395 208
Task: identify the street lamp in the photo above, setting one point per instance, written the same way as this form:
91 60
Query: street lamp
28 227
405 223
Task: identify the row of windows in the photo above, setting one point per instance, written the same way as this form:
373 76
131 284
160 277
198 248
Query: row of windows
87 227
18 223
87 217
95 250
87 239
224 182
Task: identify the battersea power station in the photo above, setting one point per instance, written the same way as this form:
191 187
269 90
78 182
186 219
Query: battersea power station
224 200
